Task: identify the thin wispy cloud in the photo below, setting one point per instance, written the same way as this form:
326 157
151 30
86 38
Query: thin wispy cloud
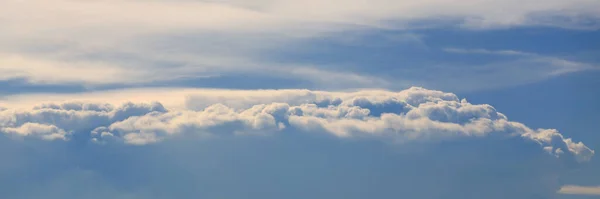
544 66
580 190
490 52
164 41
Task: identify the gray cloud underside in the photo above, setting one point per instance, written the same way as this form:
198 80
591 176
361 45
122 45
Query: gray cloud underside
415 115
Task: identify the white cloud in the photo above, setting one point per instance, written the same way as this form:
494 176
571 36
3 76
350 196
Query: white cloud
552 65
580 190
264 143
412 115
261 15
481 151
44 131
105 42
520 68
52 71
485 51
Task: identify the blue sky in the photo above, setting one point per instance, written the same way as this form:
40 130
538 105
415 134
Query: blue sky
299 99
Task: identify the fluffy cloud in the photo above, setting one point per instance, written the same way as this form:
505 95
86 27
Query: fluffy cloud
48 132
273 144
414 114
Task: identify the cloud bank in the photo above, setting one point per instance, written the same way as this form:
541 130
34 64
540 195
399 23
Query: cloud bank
415 114
281 143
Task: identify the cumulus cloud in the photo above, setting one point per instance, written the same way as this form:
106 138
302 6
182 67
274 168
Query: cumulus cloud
48 132
57 121
415 114
273 144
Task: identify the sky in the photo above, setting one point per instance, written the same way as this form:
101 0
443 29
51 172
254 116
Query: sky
299 99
